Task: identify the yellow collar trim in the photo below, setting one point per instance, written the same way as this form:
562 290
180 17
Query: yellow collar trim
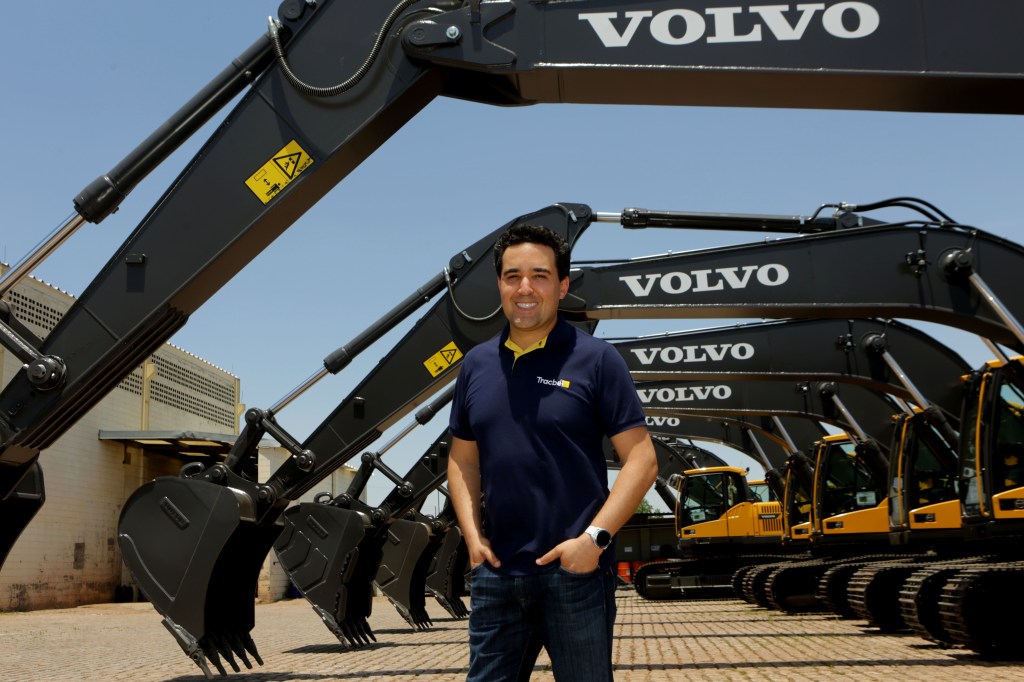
517 351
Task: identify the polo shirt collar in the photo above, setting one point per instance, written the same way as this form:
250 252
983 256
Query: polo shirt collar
561 332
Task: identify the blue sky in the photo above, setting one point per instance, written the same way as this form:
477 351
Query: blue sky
86 82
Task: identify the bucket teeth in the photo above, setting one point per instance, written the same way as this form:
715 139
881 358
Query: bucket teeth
454 606
211 653
226 645
417 617
239 649
354 632
250 646
357 631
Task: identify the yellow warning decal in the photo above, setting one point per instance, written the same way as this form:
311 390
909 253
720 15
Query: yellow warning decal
443 359
277 173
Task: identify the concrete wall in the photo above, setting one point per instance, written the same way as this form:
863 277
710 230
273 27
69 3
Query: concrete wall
68 555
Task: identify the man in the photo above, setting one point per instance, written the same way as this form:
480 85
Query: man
528 477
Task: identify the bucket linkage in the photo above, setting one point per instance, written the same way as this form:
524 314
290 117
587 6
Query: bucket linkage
336 550
446 576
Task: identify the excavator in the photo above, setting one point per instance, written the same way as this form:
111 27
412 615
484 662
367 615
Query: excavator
290 139
851 496
952 570
854 351
963 508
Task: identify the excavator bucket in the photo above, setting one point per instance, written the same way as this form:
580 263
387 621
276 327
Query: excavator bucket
18 508
325 551
195 550
446 575
402 572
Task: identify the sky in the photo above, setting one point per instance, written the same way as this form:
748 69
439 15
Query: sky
84 83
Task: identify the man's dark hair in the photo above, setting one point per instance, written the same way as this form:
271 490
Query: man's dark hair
533 234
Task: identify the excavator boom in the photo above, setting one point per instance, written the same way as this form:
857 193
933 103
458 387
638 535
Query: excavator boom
927 273
844 350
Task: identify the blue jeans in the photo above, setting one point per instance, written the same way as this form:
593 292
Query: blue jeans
569 614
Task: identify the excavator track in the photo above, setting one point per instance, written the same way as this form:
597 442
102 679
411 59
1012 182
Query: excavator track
754 582
873 593
919 599
833 588
837 586
977 606
660 580
817 585
792 588
694 578
738 579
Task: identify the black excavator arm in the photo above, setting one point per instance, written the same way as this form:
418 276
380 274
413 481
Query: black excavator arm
933 273
882 355
784 434
864 413
305 124
854 351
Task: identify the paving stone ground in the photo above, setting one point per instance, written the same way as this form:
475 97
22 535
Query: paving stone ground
721 640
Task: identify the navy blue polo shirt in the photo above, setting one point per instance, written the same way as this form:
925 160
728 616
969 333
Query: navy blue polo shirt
538 421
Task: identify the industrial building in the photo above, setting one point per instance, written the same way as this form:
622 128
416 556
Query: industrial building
173 409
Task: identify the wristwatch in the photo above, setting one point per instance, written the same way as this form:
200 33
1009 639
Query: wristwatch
600 536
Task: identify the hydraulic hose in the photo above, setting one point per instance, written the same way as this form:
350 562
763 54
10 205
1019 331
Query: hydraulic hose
316 91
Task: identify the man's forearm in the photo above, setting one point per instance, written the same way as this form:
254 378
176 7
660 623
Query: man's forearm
631 485
464 489
639 470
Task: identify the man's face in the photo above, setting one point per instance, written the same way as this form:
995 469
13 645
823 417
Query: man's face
530 290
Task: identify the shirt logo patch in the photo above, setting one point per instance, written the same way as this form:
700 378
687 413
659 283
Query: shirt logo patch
563 383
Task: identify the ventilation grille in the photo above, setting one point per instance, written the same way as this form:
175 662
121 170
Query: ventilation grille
176 384
769 518
33 312
132 383
203 384
173 396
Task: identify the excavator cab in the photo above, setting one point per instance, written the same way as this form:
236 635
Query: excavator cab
706 495
848 497
762 492
796 508
923 480
992 447
718 507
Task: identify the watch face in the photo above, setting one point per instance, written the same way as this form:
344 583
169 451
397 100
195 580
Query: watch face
603 539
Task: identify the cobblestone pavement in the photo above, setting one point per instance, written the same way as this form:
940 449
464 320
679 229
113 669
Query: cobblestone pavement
719 640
